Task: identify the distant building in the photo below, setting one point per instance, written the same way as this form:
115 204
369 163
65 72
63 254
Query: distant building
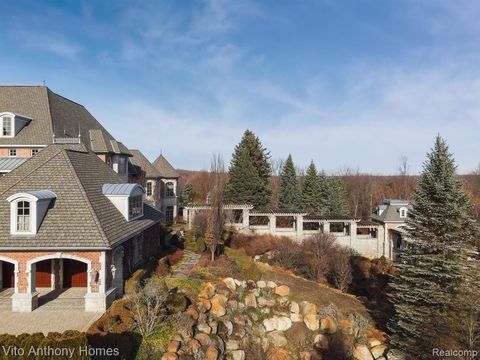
32 117
168 188
147 175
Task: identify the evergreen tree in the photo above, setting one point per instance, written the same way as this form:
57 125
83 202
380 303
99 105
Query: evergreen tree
435 261
258 158
311 194
187 195
324 186
335 197
289 197
245 185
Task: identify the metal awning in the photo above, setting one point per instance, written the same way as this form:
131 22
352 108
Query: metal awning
7 164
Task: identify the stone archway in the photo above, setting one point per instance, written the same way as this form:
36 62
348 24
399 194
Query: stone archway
3 277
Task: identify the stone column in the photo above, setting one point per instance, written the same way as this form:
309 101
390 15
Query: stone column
299 224
272 224
245 218
353 233
26 301
326 227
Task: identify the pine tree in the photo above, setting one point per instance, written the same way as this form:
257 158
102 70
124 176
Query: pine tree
435 260
258 157
335 197
324 186
187 195
289 197
245 185
311 194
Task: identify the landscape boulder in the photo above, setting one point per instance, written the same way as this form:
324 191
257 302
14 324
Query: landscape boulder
282 290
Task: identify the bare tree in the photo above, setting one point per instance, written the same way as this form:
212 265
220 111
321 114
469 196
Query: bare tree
148 305
276 165
216 217
403 170
341 271
320 248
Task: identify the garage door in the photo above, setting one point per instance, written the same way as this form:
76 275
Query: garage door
74 273
43 274
7 275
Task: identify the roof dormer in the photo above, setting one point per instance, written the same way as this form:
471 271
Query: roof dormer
127 198
27 211
11 124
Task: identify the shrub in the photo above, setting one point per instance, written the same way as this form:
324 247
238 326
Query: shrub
288 254
192 286
253 244
117 319
199 225
162 335
176 303
135 280
162 269
175 257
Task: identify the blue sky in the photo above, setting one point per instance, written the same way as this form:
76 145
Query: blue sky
346 83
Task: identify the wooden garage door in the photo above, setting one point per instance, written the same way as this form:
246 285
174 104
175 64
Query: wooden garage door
43 274
74 273
8 276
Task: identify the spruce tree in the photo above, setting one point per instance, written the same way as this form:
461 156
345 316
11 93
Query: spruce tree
324 186
435 260
335 197
245 185
258 157
289 197
187 195
311 195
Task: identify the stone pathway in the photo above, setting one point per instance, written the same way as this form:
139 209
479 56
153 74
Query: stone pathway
183 270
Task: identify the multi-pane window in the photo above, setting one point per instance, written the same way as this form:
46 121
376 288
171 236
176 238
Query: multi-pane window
34 152
12 152
122 165
7 126
137 249
169 189
149 188
23 216
169 214
135 206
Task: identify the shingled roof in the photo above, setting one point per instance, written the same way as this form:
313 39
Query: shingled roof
141 163
53 115
81 216
165 169
389 211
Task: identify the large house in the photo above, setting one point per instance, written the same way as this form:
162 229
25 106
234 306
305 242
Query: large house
32 117
70 221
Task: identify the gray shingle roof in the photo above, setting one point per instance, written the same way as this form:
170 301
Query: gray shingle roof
81 216
165 169
391 211
140 161
51 115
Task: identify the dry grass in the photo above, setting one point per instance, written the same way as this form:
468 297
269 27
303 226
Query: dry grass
322 295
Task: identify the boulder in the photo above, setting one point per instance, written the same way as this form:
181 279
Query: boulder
296 317
176 303
361 352
230 283
232 345
192 312
312 321
271 285
211 353
282 290
269 324
250 301
233 304
378 351
203 305
294 307
203 339
277 338
328 325
299 335
173 346
238 355
320 342
308 308
261 284
207 292
204 328
169 356
213 326
218 305
192 346
225 328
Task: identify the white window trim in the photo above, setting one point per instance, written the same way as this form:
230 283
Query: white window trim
401 211
33 215
149 183
32 152
14 118
10 154
174 189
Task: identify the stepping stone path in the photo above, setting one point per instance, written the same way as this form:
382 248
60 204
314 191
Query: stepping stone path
183 270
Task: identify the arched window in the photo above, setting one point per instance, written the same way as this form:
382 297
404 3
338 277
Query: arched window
403 212
149 188
23 216
7 126
170 189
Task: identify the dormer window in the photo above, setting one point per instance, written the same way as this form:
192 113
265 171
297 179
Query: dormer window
7 126
135 206
23 216
12 123
403 212
27 211
127 198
